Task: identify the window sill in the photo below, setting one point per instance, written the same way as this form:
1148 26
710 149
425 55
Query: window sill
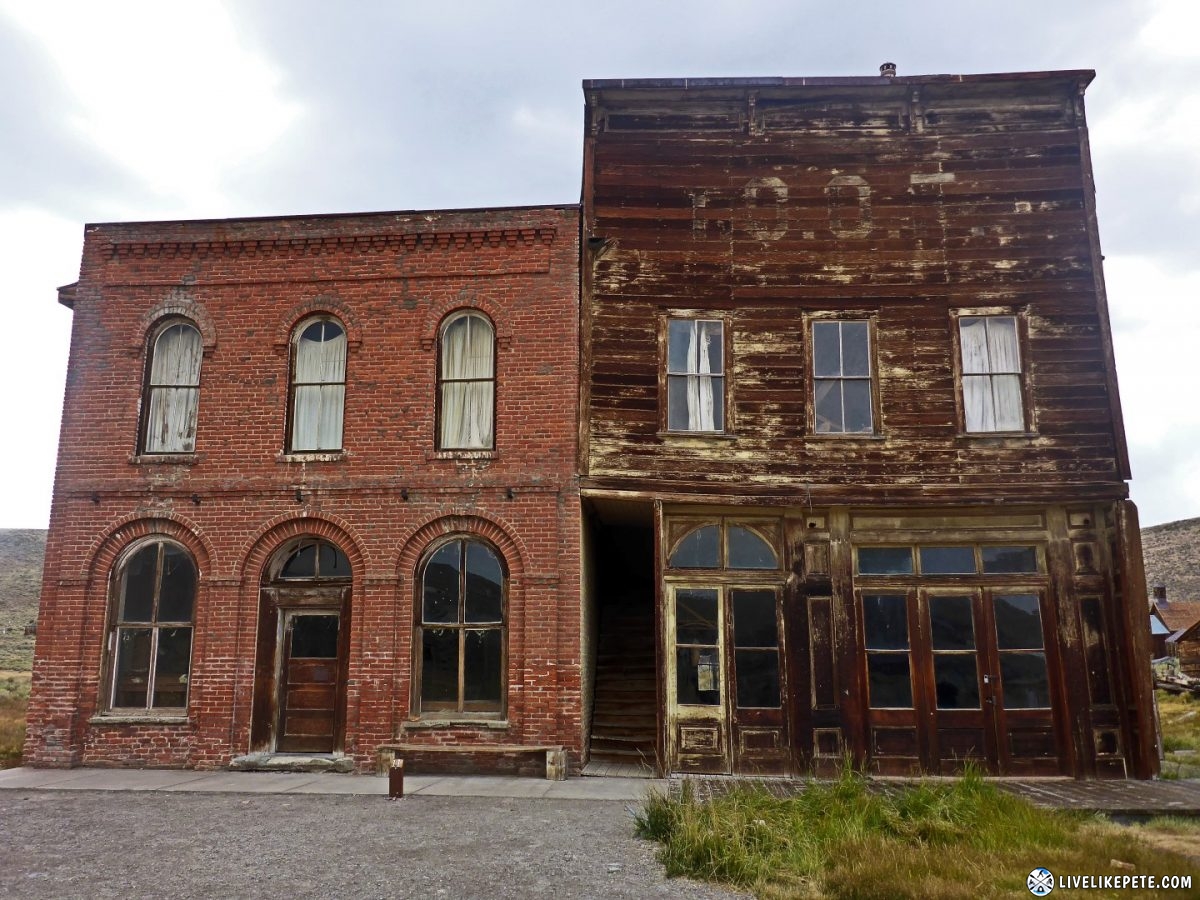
844 436
695 436
309 456
432 455
118 718
997 435
430 724
165 459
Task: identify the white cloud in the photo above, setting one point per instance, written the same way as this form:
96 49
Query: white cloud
1173 29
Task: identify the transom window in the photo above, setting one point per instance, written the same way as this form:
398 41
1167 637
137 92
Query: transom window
172 397
467 384
313 558
841 359
463 594
727 545
991 374
968 559
318 385
151 640
695 375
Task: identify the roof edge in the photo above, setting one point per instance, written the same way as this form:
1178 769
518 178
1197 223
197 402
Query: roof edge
1084 76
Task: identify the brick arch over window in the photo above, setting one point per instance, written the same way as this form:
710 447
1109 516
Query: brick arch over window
108 547
318 306
437 314
416 544
178 305
278 531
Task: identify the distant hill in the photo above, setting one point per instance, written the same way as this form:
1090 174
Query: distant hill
1172 553
21 553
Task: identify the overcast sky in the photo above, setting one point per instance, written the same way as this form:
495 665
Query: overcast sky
163 110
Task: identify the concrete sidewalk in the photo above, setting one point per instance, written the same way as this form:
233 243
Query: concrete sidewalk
184 780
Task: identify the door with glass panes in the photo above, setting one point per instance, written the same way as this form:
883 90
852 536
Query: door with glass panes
724 683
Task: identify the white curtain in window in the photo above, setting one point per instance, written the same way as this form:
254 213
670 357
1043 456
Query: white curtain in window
320 393
174 391
467 384
701 412
992 398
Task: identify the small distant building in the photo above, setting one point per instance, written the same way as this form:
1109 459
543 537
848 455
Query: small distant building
1170 620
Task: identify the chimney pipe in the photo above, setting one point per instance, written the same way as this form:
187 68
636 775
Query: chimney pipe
888 70
1160 594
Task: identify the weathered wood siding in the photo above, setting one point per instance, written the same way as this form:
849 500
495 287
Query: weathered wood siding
764 203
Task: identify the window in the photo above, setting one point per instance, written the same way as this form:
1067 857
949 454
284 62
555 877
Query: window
726 545
151 641
841 355
172 390
991 374
695 375
318 385
462 629
466 384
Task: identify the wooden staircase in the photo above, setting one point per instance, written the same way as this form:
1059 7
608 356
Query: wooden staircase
624 721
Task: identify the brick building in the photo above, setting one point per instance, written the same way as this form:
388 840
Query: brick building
316 490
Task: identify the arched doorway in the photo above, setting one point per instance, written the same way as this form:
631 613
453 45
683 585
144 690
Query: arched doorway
303 637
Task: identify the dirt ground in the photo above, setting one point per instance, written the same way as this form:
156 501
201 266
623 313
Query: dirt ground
93 844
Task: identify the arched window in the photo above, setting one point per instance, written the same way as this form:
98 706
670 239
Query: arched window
466 383
724 545
151 643
463 589
172 396
318 385
313 558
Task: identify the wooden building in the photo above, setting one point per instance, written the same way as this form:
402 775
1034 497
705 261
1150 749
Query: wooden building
853 463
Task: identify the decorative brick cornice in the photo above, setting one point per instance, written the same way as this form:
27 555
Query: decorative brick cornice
318 245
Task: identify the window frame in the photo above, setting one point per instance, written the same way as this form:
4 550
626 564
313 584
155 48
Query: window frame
461 627
664 373
1024 374
811 378
117 585
292 384
440 380
149 387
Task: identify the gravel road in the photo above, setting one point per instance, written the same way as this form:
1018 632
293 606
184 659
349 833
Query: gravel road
92 844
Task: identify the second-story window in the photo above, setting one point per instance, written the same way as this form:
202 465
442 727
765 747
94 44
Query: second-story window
172 390
841 355
318 385
466 384
991 374
695 375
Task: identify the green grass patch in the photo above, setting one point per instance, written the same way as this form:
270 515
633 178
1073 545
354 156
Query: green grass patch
1179 721
14 702
843 839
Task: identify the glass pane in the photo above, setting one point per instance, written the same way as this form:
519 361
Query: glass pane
885 621
171 669
754 619
698 676
178 590
749 551
137 602
717 385
710 348
302 563
957 680
972 332
1023 676
485 585
856 358
947 560
333 562
856 402
829 407
758 678
439 668
678 418
314 637
889 684
696 616
482 669
440 585
979 407
680 346
951 623
885 561
699 550
1018 622
132 667
1008 402
827 354
999 560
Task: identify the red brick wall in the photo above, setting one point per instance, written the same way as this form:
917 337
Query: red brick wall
390 278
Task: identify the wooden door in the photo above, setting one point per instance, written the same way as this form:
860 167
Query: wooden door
309 681
758 727
697 686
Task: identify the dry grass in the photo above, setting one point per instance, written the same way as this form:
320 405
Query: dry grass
14 699
842 840
1179 719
